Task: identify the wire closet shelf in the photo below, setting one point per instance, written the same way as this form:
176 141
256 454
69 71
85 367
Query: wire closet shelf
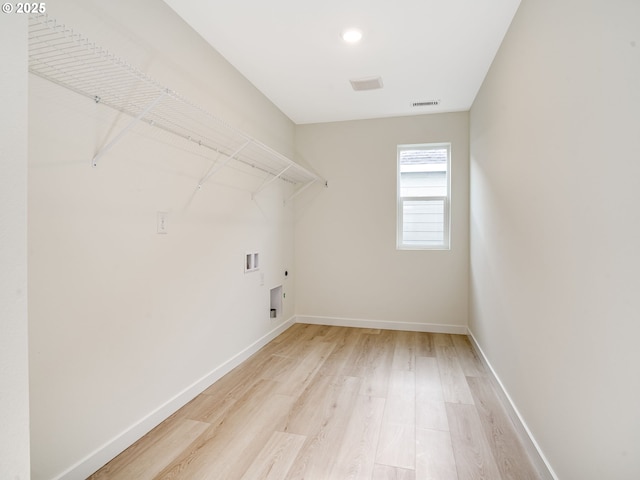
64 57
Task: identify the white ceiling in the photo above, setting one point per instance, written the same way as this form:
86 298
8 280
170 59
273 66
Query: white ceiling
292 51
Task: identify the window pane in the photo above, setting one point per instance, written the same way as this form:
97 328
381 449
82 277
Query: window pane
423 222
423 184
428 160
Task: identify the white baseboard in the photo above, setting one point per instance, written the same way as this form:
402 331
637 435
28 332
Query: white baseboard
112 448
531 446
382 324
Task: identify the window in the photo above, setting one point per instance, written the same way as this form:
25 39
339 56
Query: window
423 196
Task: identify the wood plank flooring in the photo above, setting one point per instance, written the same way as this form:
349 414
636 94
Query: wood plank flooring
334 403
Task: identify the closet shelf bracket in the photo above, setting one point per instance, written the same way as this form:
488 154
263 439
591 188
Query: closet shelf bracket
125 130
219 166
300 190
270 181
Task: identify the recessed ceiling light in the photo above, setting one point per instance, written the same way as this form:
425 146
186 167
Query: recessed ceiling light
352 35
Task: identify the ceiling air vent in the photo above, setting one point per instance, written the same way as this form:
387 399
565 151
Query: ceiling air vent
428 103
369 83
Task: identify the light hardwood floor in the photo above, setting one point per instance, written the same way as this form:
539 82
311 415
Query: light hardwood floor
334 403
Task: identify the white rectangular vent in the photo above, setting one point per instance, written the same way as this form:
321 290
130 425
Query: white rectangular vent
428 103
370 83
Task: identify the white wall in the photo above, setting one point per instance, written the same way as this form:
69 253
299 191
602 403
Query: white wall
555 229
14 373
126 324
346 258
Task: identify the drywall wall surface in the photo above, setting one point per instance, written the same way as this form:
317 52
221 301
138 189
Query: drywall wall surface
14 368
555 230
346 258
124 320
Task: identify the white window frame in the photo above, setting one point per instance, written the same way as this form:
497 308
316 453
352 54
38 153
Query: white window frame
446 244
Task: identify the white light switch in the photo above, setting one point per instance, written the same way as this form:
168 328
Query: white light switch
162 226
